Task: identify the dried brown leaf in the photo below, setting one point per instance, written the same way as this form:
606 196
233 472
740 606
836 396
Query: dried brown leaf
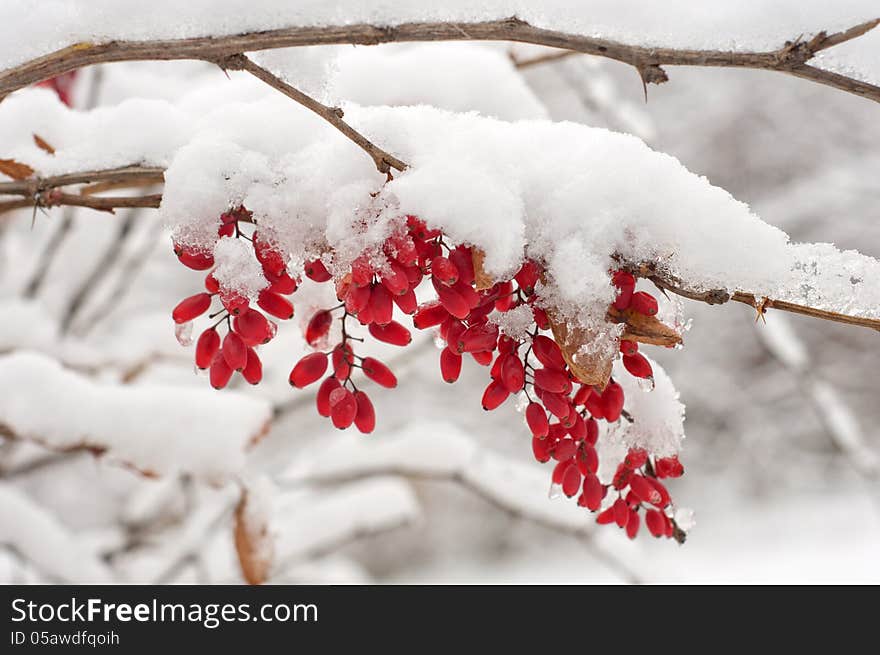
481 278
644 329
42 144
252 543
14 169
589 368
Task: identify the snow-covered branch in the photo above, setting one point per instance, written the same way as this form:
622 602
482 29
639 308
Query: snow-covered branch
791 58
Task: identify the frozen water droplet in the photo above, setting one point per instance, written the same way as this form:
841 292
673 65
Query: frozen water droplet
273 329
439 343
684 517
184 333
522 401
555 491
646 384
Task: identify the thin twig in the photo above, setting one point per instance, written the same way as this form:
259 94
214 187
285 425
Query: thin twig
791 58
384 161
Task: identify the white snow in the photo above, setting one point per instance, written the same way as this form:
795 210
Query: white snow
236 267
166 429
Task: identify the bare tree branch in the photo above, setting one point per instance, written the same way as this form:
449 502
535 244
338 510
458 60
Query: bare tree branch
384 161
791 58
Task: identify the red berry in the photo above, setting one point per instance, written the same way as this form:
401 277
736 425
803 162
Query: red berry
541 318
553 380
494 395
541 449
319 326
565 449
547 352
308 370
269 256
528 276
612 401
477 338
513 373
656 522
450 365
393 333
593 491
234 351
632 524
444 270
365 416
211 283
315 270
274 304
594 405
233 302
638 366
606 516
636 458
663 499
220 372
621 512
192 307
592 431
407 302
468 294
395 279
644 490
322 398
206 347
381 306
578 428
571 480
668 467
536 418
452 300
463 261
378 372
589 457
253 370
556 404
357 299
582 394
343 358
253 327
361 271
283 284
198 261
643 303
343 408
629 347
626 283
429 315
483 358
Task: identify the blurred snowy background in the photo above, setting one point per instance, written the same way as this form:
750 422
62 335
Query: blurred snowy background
781 464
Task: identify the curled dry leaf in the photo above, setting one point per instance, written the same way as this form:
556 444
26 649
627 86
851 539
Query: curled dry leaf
592 368
481 279
253 541
42 144
644 329
14 169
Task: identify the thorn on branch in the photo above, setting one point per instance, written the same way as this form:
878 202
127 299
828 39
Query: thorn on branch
651 74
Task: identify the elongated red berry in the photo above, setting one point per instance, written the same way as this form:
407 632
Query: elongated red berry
621 512
612 401
541 319
253 327
365 416
592 431
319 326
564 450
578 427
638 366
528 276
593 491
315 270
656 523
536 418
644 490
343 408
541 449
478 338
407 302
636 458
234 351
582 394
198 261
361 271
429 315
378 372
643 303
494 395
571 480
668 467
395 279
283 284
547 352
393 333
605 516
233 302
512 374
594 405
343 358
270 257
468 293
632 524
192 307
452 301
322 398
664 499
553 380
450 365
381 306
556 404
253 369
220 372
211 283
308 369
444 270
626 283
206 347
483 358
463 261
274 304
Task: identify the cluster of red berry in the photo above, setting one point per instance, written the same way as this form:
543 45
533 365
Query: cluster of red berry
562 414
246 327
